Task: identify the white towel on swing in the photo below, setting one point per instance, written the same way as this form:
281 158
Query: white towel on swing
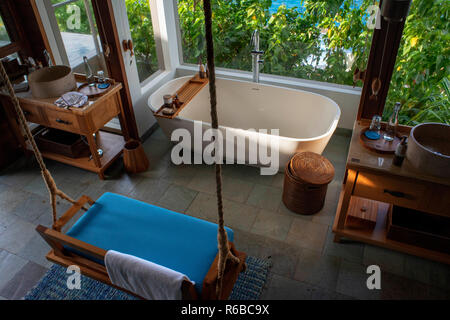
147 279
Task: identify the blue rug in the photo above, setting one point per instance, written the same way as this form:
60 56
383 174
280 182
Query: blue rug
53 285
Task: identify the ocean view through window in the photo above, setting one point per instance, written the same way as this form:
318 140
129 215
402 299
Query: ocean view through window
297 3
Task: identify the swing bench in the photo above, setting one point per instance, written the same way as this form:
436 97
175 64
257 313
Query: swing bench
114 222
201 250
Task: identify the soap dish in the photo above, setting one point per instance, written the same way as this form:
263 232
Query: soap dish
372 135
378 145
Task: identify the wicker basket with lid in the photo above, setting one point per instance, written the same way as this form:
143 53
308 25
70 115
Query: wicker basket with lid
306 179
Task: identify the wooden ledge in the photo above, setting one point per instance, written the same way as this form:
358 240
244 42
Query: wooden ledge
185 94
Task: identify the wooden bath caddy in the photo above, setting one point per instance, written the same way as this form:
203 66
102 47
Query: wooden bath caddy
185 94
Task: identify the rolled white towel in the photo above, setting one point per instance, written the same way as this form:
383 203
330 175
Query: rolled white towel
144 278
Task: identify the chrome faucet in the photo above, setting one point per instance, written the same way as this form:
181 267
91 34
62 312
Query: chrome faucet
256 53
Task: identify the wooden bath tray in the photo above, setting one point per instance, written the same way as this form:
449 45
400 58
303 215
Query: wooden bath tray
380 145
185 94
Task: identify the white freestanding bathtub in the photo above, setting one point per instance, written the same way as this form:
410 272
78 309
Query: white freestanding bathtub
305 120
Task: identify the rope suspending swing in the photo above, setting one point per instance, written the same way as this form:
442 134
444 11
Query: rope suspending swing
53 189
224 253
222 238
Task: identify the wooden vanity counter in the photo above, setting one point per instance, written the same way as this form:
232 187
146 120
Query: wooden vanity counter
86 121
372 182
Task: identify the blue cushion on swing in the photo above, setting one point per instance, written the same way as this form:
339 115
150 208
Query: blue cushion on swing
174 240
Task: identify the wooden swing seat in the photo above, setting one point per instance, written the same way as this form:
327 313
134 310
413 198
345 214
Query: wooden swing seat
114 222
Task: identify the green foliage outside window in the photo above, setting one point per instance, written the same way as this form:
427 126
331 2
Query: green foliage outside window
3 33
313 42
296 39
140 20
63 15
294 42
421 78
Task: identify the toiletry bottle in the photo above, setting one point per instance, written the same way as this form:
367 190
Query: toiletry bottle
201 71
206 70
176 102
374 128
391 126
89 74
168 109
101 76
31 65
167 100
400 152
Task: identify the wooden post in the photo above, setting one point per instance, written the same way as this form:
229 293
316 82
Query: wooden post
112 47
345 201
370 107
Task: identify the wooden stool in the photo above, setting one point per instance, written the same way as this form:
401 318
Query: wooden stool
306 179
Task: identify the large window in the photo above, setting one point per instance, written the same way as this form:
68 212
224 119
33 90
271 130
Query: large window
421 78
140 21
321 40
78 31
326 40
4 37
77 34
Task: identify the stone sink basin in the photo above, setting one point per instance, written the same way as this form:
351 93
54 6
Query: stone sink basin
429 149
51 82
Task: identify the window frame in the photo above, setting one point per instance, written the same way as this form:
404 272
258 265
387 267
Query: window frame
366 107
50 10
158 46
12 28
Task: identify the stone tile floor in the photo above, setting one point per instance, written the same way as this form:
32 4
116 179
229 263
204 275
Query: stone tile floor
307 264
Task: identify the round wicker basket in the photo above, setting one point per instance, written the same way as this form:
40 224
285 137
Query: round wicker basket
306 179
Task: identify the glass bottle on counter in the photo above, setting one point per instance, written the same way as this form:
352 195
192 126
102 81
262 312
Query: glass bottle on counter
391 126
89 74
400 152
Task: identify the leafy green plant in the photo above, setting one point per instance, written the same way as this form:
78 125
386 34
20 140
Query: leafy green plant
295 40
316 40
140 20
139 17
421 77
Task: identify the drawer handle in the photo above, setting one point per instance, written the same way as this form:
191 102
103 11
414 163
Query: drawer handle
397 194
62 121
26 113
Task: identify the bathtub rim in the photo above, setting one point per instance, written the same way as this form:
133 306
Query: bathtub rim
329 131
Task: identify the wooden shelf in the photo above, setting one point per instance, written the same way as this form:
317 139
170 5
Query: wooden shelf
378 235
86 121
111 144
185 94
372 176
